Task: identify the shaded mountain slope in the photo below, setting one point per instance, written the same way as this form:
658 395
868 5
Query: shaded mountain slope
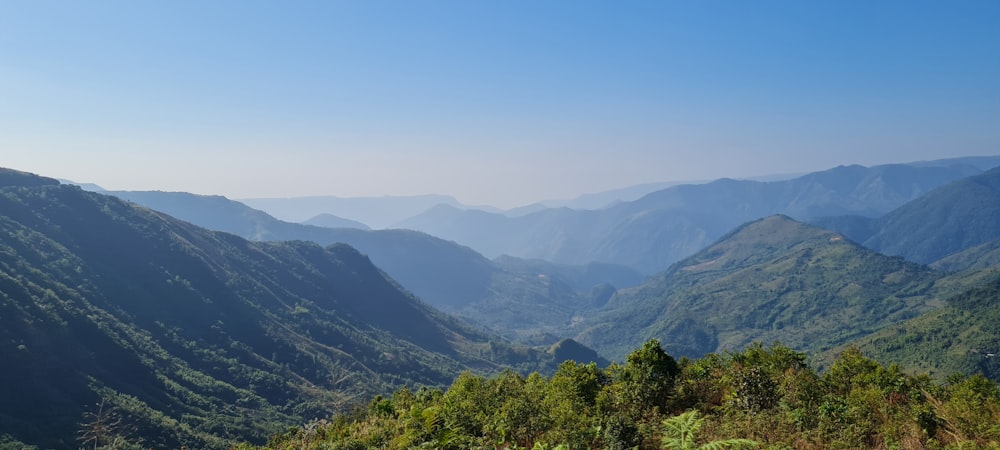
516 303
660 228
771 279
199 337
442 273
216 212
955 217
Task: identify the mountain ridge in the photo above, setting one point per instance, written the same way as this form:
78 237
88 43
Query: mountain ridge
769 279
662 227
449 276
200 337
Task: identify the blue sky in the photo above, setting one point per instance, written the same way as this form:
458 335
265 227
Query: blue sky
495 102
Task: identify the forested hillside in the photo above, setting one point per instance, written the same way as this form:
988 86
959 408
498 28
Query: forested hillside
199 338
771 279
962 337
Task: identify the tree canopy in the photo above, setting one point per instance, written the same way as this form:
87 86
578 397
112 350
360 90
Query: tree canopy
760 397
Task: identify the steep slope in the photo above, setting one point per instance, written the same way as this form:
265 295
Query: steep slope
771 279
517 303
442 273
198 337
214 212
955 217
963 337
660 228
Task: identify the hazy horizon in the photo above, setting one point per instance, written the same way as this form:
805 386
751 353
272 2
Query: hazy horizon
502 104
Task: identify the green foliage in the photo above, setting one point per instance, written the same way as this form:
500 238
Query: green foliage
858 403
972 410
962 337
644 384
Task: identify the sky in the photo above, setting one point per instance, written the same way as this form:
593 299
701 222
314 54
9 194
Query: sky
494 102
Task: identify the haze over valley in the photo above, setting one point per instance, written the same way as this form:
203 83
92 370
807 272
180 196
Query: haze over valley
509 225
771 278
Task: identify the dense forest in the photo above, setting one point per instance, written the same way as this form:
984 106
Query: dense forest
760 397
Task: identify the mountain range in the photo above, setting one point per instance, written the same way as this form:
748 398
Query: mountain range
198 337
958 216
204 337
665 226
375 212
519 299
776 279
536 301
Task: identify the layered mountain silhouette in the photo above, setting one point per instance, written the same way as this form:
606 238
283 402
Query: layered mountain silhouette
202 337
332 221
662 227
524 300
198 337
948 220
376 212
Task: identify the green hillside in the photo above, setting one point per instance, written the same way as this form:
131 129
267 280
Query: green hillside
773 279
199 338
962 337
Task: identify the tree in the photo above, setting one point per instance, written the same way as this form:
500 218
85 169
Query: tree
636 395
649 375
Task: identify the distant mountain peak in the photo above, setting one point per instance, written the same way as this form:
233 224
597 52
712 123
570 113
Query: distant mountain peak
754 240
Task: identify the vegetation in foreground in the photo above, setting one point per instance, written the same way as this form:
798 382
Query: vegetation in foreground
761 397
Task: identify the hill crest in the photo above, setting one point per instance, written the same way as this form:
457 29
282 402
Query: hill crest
773 279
